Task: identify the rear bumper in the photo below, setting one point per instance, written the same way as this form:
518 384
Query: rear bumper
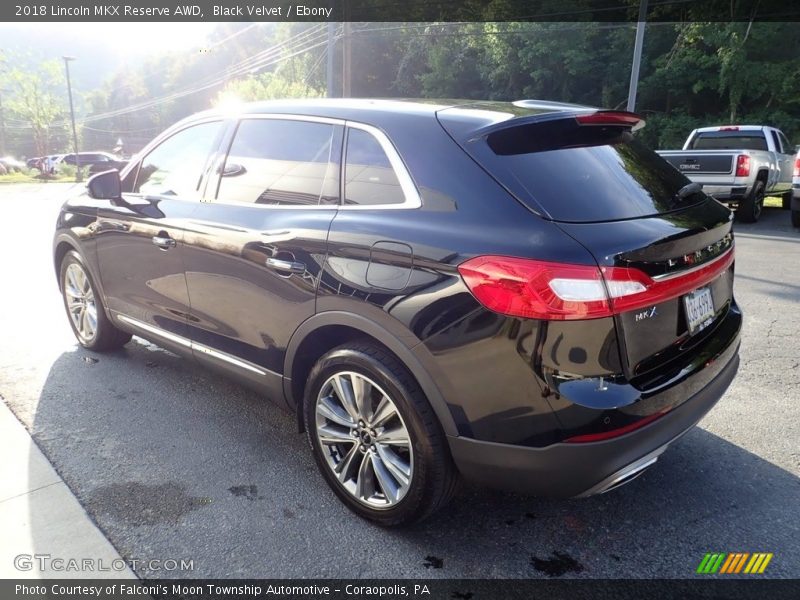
726 193
566 470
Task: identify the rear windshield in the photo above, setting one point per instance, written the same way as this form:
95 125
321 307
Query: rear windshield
585 174
729 140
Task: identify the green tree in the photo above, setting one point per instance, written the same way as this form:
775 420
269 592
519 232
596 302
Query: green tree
33 98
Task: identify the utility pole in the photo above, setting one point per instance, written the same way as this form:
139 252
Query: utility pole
637 56
329 57
347 53
347 56
67 60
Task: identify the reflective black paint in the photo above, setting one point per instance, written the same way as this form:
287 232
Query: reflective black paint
489 377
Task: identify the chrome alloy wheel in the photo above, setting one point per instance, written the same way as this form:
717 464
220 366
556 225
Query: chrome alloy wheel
80 302
364 439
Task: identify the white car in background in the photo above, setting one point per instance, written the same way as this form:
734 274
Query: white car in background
796 191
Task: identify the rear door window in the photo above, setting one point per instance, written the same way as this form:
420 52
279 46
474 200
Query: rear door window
282 162
787 146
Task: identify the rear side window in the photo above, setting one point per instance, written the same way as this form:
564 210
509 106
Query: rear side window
282 162
787 146
175 167
575 173
730 140
370 179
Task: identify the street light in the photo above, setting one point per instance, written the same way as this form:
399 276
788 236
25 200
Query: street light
67 60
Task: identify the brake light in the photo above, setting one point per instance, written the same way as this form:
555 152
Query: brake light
729 128
534 289
742 165
796 172
611 117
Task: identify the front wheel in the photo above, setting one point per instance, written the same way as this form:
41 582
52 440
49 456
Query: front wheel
85 309
750 208
375 438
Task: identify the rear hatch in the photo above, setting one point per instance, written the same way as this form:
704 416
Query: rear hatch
644 222
694 163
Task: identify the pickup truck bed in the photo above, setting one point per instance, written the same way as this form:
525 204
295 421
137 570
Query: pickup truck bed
737 165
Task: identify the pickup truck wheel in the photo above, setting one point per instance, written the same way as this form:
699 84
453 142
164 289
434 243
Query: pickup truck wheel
786 201
796 218
750 208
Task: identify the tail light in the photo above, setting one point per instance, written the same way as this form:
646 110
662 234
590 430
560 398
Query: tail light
796 172
534 289
742 165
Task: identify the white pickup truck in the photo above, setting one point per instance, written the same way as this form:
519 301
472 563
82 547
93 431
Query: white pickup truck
738 165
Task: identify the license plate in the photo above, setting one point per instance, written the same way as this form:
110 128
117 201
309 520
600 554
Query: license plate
699 309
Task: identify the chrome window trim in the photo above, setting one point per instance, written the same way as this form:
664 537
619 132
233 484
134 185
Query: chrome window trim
410 193
187 343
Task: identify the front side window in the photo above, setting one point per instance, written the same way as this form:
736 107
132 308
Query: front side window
282 162
369 177
175 167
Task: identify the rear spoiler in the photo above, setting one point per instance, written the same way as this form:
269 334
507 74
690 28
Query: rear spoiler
554 130
594 118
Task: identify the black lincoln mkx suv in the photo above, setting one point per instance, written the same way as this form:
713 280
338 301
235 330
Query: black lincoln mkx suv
520 294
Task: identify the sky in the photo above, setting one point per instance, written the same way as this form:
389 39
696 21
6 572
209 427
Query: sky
100 49
134 38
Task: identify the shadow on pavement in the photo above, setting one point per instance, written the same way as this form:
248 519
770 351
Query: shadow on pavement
774 222
172 462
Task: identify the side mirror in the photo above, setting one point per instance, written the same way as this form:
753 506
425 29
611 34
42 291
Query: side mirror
105 186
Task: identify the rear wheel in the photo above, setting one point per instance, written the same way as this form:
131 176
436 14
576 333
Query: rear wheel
796 218
750 208
85 310
375 438
786 201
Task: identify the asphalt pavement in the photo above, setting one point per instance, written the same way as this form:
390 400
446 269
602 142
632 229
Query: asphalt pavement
173 462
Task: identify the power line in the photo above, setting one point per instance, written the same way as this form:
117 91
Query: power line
296 45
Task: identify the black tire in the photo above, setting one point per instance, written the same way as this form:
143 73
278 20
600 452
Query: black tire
786 201
750 208
434 478
106 336
796 218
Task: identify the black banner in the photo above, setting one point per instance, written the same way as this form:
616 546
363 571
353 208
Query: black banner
435 589
395 11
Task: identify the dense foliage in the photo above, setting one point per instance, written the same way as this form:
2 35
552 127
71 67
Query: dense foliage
692 74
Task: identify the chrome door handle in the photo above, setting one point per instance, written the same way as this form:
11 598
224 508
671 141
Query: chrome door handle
289 266
164 243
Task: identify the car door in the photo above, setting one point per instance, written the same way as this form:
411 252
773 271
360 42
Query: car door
139 238
255 248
